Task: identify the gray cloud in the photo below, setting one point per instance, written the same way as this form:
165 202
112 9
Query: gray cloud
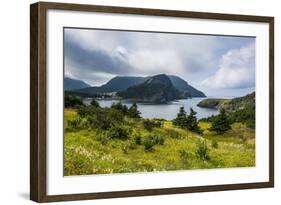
96 56
94 60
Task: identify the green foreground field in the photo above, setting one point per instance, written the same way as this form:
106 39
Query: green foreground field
85 152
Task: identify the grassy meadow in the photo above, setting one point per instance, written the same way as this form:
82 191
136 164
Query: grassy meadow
139 145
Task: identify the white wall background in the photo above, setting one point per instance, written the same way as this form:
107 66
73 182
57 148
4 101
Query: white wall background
14 103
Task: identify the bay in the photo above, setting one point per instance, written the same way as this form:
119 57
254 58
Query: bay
167 111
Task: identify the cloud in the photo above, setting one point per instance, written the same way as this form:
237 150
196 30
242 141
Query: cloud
93 78
96 56
135 53
236 70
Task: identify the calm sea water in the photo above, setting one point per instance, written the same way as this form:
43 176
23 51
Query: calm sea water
167 111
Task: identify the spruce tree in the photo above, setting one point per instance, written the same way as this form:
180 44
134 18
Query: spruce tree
95 103
191 122
220 123
120 107
117 106
180 120
133 111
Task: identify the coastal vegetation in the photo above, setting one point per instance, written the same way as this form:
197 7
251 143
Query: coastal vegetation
116 139
240 109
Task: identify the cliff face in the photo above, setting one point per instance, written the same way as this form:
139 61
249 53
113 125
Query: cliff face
156 89
186 89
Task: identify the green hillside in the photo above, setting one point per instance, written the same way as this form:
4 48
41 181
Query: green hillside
239 103
241 109
229 105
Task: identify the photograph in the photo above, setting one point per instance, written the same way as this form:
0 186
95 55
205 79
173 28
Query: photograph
146 101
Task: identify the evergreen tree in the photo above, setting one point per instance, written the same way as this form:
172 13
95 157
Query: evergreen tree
124 109
220 123
95 103
117 106
120 107
191 122
180 120
133 111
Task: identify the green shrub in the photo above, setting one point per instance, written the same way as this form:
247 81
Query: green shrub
250 123
103 138
150 124
119 132
137 138
73 101
77 123
152 140
87 111
148 143
215 144
120 107
95 103
101 118
202 151
159 139
173 134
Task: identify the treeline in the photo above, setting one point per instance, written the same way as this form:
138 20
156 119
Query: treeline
220 123
71 101
241 109
245 115
85 95
188 122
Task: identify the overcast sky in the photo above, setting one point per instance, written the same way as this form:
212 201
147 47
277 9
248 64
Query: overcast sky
217 65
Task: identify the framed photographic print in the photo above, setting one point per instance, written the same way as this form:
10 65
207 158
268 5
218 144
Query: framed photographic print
135 102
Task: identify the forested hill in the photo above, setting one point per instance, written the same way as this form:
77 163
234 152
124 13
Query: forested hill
241 109
229 105
121 83
157 89
240 103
